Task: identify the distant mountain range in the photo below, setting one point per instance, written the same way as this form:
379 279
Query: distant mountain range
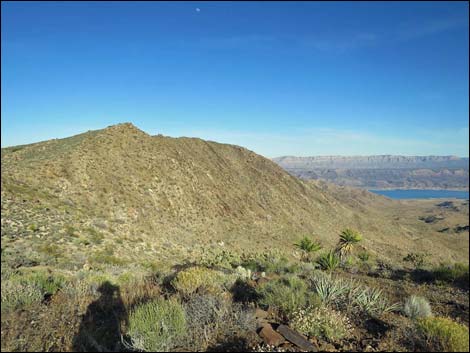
382 172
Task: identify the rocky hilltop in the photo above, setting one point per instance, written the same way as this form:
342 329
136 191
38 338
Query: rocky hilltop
150 197
387 171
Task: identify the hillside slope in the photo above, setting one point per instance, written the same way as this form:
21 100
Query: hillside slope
123 193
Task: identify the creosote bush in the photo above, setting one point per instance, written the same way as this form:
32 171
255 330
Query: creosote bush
157 326
444 334
321 322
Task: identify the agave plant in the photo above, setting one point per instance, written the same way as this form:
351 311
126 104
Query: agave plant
328 261
347 239
308 246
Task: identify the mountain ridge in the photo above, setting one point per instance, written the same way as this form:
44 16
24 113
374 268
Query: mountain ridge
177 195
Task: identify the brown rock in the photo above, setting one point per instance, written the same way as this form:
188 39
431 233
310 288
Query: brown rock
270 336
296 338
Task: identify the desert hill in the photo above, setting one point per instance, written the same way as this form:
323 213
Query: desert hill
139 197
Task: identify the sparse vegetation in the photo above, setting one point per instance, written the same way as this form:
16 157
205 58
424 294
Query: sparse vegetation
347 239
444 334
328 261
190 280
418 260
157 325
321 322
308 246
285 294
417 307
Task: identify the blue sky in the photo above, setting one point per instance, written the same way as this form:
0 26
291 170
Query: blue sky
280 78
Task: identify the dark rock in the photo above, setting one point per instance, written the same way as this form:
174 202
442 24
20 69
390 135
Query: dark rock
296 338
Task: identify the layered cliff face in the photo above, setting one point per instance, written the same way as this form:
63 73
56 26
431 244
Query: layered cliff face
156 197
422 172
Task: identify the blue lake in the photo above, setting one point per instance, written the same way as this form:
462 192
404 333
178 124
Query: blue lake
422 194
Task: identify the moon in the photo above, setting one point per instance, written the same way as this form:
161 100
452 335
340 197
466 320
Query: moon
198 9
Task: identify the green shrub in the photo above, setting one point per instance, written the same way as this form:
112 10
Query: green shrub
364 256
17 295
417 307
321 322
444 334
219 258
157 325
48 283
272 261
328 261
190 280
285 294
418 260
451 273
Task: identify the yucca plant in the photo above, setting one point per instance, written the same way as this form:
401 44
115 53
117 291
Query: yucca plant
347 239
308 247
328 261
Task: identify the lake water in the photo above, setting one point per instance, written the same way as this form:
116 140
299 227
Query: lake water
422 194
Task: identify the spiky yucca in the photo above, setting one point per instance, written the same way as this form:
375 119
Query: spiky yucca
308 246
347 239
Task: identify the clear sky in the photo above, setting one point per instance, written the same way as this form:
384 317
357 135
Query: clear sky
280 78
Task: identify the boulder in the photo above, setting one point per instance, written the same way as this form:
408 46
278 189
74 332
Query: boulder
296 338
271 337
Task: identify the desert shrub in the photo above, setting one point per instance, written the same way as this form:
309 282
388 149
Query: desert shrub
139 290
418 260
372 301
328 261
349 295
219 258
364 256
417 307
272 261
203 315
211 318
384 269
444 334
330 290
321 322
48 283
157 325
16 295
190 280
286 294
451 273
243 273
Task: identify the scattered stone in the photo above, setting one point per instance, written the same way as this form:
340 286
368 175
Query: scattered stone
296 338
